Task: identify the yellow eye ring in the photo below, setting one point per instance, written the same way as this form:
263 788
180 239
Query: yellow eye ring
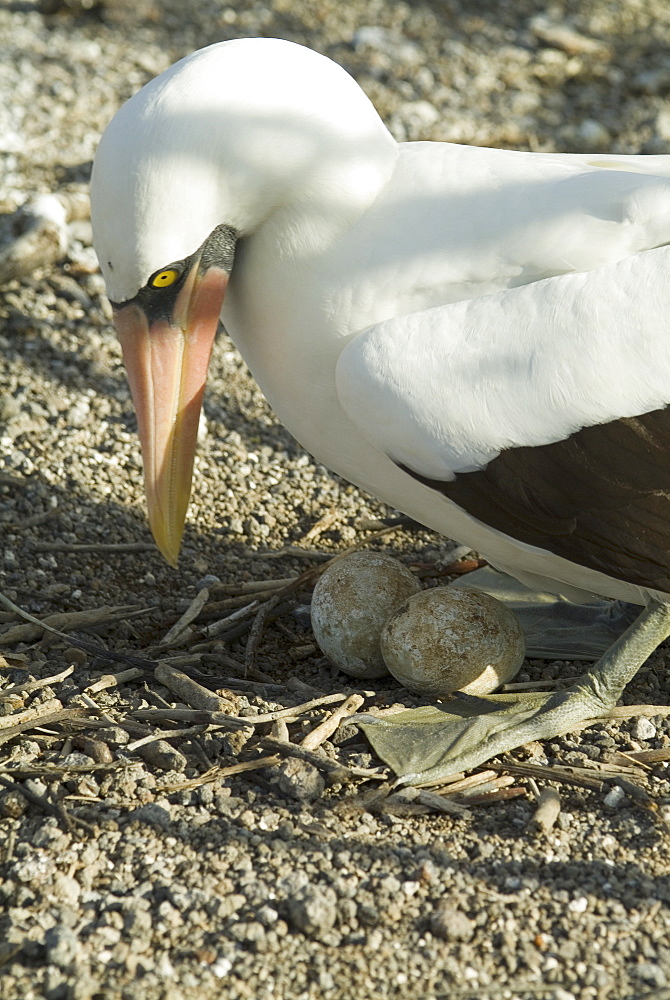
164 278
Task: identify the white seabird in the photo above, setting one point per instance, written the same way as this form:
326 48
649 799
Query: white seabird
475 336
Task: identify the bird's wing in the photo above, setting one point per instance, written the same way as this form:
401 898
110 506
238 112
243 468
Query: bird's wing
539 410
456 222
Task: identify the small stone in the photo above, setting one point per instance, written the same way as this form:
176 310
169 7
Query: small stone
97 750
12 804
312 910
76 759
251 932
653 81
154 814
247 819
643 729
61 946
420 114
651 973
389 884
75 656
298 779
614 797
163 756
115 736
267 915
67 889
578 905
593 134
450 924
222 967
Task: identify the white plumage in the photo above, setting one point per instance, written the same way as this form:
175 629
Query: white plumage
413 312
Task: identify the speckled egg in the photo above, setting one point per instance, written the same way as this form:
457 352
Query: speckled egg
352 601
452 639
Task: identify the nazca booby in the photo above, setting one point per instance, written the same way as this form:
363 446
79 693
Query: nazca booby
475 336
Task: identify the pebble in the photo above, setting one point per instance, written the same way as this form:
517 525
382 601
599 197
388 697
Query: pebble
299 780
61 945
12 804
643 729
615 797
163 755
451 924
594 134
154 813
312 910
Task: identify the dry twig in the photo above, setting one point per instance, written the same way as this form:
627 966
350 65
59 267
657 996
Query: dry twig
167 734
216 628
464 784
113 680
325 729
44 715
496 795
176 633
28 686
257 629
335 770
325 522
252 586
89 647
217 718
189 690
67 619
432 801
217 773
120 547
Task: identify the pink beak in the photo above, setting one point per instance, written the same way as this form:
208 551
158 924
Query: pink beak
167 369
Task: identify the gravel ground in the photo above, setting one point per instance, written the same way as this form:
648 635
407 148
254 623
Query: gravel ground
159 870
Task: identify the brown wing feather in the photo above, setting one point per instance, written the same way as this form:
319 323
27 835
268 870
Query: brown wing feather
600 498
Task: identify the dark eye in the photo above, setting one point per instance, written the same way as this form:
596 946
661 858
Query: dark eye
164 278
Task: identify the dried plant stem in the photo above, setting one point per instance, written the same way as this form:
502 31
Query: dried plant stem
216 628
257 629
336 771
68 619
218 773
29 686
217 718
325 729
30 715
472 781
190 691
168 734
113 680
176 633
120 547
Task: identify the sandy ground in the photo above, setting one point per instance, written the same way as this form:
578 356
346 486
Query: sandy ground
156 868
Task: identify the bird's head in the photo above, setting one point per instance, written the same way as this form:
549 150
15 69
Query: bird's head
202 156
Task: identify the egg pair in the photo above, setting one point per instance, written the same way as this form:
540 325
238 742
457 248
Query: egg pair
370 617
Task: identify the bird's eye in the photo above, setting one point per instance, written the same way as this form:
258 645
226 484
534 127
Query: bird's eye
164 278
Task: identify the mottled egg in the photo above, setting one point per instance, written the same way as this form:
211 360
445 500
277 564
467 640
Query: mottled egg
452 639
352 601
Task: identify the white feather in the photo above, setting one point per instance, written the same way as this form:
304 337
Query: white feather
469 298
